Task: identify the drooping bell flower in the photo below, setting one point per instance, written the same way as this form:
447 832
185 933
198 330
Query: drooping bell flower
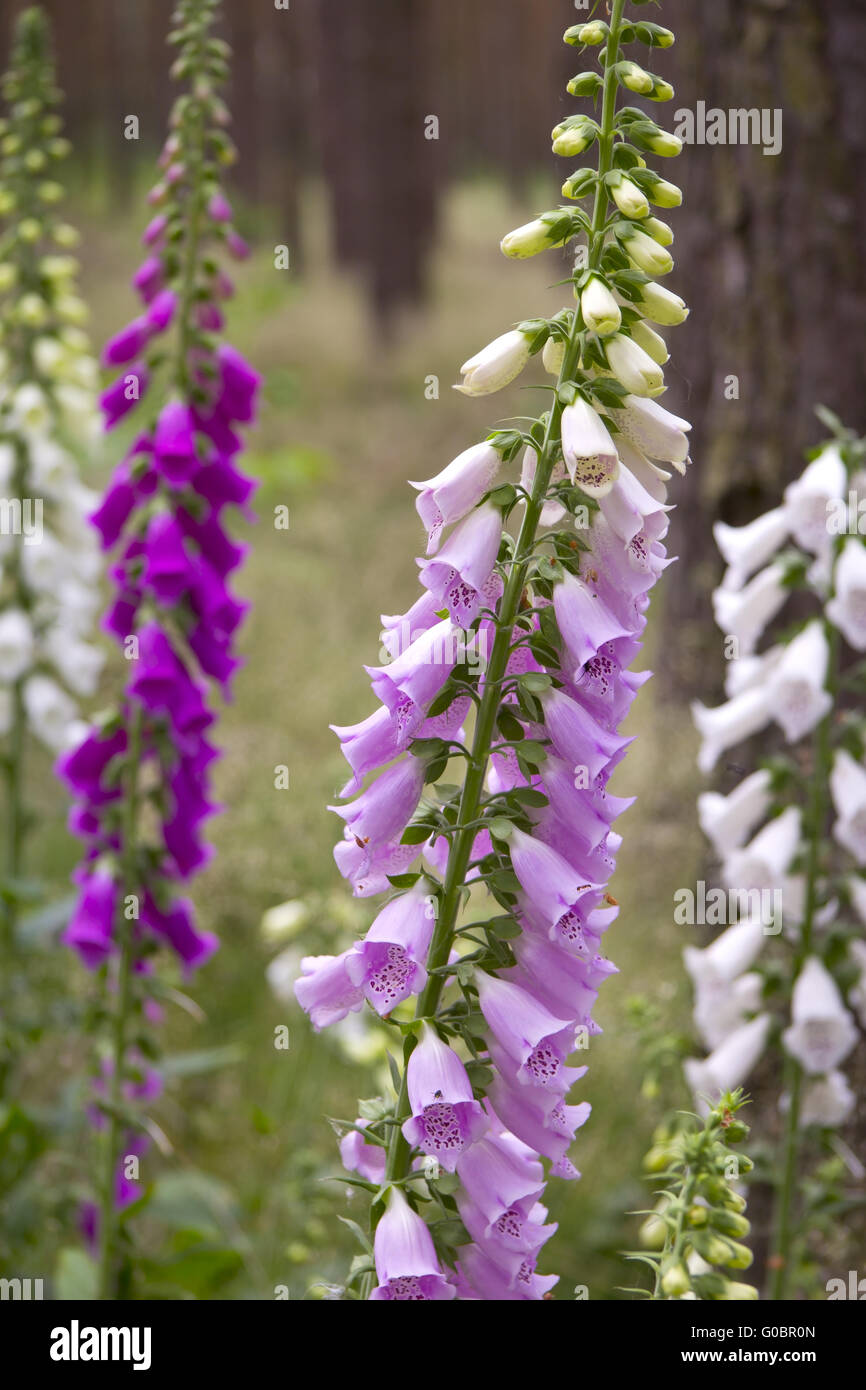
446 1118
406 1264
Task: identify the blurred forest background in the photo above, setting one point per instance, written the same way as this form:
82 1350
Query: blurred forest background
396 275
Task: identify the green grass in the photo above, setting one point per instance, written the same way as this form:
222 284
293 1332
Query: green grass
345 422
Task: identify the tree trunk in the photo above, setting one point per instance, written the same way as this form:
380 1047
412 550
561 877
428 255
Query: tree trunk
769 252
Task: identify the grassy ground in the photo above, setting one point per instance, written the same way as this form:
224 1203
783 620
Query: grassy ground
345 423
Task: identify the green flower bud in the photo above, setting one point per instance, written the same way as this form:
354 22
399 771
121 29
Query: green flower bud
601 313
658 1158
29 229
66 235
654 35
530 239
629 198
553 355
580 183
652 138
661 306
738 1293
585 84
573 139
60 149
736 1131
652 343
711 1286
31 310
634 77
644 252
742 1256
35 160
10 144
730 1223
8 276
71 309
697 1215
49 191
591 34
664 194
658 230
662 91
51 125
714 1249
58 267
676 1281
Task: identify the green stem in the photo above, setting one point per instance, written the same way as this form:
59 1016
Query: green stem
784 1225
473 786
108 1214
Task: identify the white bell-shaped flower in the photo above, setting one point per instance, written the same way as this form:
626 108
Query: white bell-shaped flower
848 790
728 1065
847 608
810 499
822 1031
796 687
730 723
744 613
727 821
746 548
765 860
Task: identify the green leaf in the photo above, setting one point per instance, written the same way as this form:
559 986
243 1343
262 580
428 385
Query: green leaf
527 796
510 727
501 827
360 1236
536 682
416 833
396 1076
21 1143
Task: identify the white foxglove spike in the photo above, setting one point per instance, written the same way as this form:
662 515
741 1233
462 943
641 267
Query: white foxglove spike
723 1008
857 953
729 1065
730 723
765 860
796 687
848 789
809 500
746 548
745 613
847 608
827 1101
727 821
822 1031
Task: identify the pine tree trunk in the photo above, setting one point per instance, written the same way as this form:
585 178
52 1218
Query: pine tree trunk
770 256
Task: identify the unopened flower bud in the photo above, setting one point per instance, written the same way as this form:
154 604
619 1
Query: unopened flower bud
29 229
529 240
553 355
658 230
662 91
582 181
633 367
730 1223
646 253
591 34
601 313
634 77
629 198
665 194
652 343
573 139
661 306
8 276
676 1281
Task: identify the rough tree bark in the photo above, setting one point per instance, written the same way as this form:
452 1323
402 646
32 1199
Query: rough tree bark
770 255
